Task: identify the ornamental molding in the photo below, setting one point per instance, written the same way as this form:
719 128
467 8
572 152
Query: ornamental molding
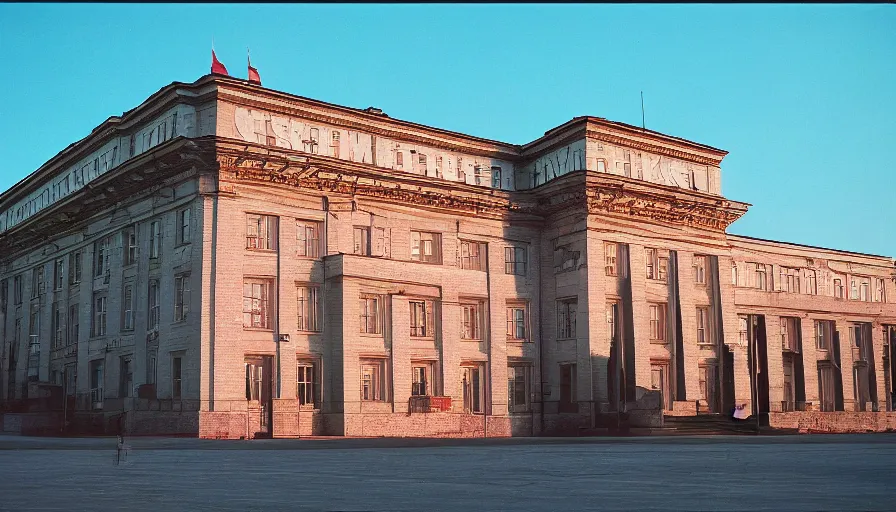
667 209
652 148
309 177
402 135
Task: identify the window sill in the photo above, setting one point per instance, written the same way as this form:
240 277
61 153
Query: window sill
260 251
659 342
371 334
301 257
706 344
257 329
471 340
307 331
181 244
422 338
567 338
426 262
516 340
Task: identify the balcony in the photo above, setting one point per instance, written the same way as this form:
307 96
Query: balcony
425 404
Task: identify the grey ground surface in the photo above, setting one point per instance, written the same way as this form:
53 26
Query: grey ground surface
696 473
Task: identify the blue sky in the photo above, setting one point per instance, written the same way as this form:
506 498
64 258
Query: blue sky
802 96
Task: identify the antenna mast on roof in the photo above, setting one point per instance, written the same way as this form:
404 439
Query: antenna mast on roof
643 127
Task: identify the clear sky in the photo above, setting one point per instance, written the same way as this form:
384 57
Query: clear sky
802 96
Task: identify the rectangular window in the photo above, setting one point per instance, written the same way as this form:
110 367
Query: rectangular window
838 288
256 303
74 326
361 236
399 159
155 239
372 380
472 255
703 333
421 379
422 320
17 289
518 388
471 321
103 252
58 328
261 232
127 321
700 269
657 266
517 328
426 247
59 275
96 384
334 144
880 294
183 226
610 255
151 367
99 315
742 330
308 308
154 302
657 322
496 177
811 287
790 334
129 237
734 274
181 297
177 377
308 383
37 281
308 239
125 377
74 266
566 318
371 314
761 276
515 260
824 334
790 279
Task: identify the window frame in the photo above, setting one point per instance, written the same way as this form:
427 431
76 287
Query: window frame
265 299
177 376
365 314
155 239
467 259
181 297
99 327
130 245
513 265
308 238
302 393
261 232
611 261
418 244
514 372
514 322
704 330
377 381
127 307
361 241
154 305
471 323
308 310
700 263
658 325
184 219
566 318
422 327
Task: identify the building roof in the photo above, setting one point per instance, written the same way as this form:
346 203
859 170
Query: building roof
732 236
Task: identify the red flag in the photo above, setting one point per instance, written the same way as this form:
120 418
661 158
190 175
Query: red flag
253 73
217 67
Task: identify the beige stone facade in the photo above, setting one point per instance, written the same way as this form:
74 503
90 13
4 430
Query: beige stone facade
229 261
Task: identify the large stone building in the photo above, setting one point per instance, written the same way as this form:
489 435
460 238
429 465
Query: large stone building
226 260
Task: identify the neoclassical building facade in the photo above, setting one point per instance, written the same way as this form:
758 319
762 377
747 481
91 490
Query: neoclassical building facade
228 261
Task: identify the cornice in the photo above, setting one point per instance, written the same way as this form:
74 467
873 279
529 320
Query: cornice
319 176
667 208
652 148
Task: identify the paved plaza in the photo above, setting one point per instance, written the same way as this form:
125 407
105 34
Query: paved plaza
696 473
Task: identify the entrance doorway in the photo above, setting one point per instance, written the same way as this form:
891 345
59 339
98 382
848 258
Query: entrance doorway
259 394
659 381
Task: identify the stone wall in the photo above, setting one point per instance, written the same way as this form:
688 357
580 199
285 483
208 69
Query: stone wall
834 422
